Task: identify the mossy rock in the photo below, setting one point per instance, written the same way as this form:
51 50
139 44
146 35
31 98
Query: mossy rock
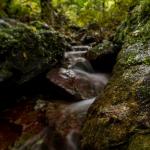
123 108
102 56
104 48
140 142
27 50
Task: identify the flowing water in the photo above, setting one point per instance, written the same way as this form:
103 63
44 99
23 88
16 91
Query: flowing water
80 107
81 67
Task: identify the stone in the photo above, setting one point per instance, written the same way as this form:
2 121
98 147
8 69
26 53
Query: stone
102 56
124 106
27 52
74 82
140 142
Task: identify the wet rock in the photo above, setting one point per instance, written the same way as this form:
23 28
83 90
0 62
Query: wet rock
61 130
8 130
66 121
26 52
87 39
42 125
19 123
74 81
123 109
77 75
28 58
68 80
102 56
104 48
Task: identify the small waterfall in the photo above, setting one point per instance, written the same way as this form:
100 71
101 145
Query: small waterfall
82 64
82 68
81 48
80 107
76 59
72 140
73 54
36 142
95 78
79 66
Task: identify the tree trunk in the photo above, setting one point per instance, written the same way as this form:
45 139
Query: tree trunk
6 7
47 11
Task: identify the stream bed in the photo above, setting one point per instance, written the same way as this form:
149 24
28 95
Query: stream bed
55 124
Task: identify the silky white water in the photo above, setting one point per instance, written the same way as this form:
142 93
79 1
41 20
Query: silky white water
72 143
83 69
96 78
80 107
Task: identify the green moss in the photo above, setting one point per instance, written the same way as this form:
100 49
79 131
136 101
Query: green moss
29 50
104 48
136 26
147 60
123 107
143 91
140 142
5 74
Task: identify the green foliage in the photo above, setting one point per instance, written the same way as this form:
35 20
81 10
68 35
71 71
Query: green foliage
83 12
22 7
105 13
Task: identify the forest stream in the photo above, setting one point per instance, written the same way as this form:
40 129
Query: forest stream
75 75
64 131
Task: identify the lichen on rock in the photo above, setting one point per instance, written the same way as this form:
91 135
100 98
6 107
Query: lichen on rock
123 109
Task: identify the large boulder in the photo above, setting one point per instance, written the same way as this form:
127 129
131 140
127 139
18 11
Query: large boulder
102 56
120 115
73 81
27 52
19 123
